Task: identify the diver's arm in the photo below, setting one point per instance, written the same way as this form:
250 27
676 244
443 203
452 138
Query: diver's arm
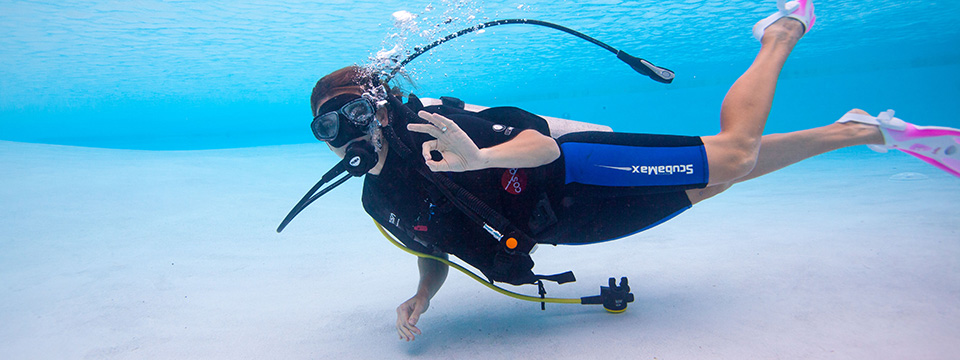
432 275
558 126
528 149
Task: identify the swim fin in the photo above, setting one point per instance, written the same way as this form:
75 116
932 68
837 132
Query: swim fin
936 145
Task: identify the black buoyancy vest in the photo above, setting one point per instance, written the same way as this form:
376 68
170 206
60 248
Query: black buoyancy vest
414 205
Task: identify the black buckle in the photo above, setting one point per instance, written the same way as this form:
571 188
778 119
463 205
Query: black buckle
543 292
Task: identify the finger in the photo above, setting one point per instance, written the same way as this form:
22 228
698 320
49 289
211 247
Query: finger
440 121
427 147
402 329
402 315
437 166
405 334
409 331
418 309
413 330
426 129
435 119
428 158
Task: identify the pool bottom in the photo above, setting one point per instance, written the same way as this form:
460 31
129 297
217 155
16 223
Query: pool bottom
147 254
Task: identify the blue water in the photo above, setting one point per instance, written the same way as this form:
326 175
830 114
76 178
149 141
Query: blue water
114 254
202 74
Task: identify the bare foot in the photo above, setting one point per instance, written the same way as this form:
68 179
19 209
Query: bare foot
784 29
870 133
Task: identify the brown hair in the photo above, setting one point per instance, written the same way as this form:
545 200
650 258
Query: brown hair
349 78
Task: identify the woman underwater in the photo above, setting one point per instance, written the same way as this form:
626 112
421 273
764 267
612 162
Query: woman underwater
582 187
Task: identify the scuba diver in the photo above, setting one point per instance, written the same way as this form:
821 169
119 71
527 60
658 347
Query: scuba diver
489 184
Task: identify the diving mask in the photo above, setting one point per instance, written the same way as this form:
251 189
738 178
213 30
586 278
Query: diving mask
343 118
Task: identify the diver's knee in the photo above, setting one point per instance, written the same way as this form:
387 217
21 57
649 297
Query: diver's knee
730 158
744 162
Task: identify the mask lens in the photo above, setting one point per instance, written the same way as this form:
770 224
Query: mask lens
326 126
358 111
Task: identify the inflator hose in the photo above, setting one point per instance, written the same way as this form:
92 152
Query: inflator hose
639 65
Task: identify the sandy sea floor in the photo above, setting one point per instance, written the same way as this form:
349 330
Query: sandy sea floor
173 255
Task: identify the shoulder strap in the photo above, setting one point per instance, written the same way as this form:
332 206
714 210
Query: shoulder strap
511 253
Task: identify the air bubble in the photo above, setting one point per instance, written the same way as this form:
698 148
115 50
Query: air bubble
412 30
403 16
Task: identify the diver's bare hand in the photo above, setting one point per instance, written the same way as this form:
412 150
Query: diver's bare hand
408 314
459 152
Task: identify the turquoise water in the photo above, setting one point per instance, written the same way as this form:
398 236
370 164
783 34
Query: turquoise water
113 250
223 74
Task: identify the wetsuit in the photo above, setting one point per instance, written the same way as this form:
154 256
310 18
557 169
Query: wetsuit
596 191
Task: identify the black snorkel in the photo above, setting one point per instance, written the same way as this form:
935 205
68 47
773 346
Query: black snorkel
361 156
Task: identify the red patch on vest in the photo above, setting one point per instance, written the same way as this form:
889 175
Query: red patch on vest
514 180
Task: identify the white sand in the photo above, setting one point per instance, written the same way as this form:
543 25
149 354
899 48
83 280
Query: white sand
173 255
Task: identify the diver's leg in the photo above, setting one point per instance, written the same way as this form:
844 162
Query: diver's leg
777 151
781 150
733 152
